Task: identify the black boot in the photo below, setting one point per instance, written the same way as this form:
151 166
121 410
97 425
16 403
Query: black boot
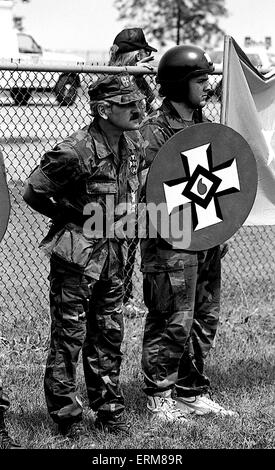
113 423
71 430
6 442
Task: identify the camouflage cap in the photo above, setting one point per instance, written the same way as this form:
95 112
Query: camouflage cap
118 89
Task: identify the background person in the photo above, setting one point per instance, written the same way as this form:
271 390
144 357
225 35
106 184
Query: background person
181 288
131 48
93 165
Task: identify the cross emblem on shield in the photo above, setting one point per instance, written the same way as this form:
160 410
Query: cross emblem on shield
203 185
215 191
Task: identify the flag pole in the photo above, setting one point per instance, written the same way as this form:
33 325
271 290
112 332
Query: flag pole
227 43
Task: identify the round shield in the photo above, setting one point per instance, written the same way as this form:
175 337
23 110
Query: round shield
4 200
201 187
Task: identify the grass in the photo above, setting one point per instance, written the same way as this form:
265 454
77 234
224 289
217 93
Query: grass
241 366
241 371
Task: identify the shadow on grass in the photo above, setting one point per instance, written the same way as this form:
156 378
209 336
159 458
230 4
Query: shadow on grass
34 421
135 398
243 373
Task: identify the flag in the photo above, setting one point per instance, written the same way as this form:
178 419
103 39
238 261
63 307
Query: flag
248 107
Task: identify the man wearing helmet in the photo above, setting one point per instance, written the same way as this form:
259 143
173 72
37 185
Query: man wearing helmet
181 288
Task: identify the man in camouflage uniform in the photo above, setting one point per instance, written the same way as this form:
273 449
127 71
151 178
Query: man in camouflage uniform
181 288
95 167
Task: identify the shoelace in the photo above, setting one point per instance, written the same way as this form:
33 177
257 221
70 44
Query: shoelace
171 404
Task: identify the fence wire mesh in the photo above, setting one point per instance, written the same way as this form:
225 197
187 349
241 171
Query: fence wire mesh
40 108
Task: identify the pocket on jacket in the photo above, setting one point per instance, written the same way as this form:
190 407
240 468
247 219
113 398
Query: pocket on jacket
73 246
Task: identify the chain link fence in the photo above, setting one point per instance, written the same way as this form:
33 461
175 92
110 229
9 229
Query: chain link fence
39 107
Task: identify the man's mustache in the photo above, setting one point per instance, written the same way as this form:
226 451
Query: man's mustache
135 116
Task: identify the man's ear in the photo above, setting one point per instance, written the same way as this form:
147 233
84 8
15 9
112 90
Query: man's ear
103 110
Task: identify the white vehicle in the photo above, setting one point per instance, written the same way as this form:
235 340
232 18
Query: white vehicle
16 46
258 56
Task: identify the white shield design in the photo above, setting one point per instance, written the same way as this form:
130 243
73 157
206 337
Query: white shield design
205 178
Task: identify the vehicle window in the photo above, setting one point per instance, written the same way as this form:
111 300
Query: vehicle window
27 44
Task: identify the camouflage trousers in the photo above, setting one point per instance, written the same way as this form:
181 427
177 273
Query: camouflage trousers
183 313
4 400
86 315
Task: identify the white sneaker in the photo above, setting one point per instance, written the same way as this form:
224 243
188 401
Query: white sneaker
164 408
201 405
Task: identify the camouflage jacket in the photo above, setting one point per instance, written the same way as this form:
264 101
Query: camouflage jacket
156 254
79 172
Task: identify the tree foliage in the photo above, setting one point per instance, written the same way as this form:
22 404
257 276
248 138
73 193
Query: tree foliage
179 21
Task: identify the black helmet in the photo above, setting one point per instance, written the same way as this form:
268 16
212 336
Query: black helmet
180 63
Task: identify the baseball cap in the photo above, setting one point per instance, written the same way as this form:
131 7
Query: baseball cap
120 89
132 39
